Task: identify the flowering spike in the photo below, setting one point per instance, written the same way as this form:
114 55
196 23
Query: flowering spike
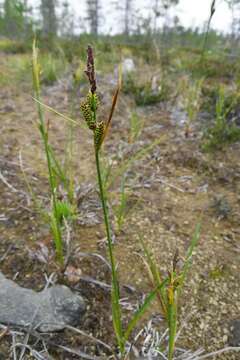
90 72
90 105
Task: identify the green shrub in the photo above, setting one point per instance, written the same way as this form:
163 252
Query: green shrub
13 47
15 69
51 69
143 92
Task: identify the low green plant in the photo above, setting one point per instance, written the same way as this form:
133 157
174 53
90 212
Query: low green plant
143 93
89 110
191 101
136 125
169 293
223 130
16 69
51 68
9 46
58 209
64 211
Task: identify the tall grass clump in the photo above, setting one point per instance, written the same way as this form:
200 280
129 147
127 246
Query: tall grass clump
99 129
59 209
170 286
143 92
224 131
191 101
136 125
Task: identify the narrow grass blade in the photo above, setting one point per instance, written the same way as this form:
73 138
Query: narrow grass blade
57 168
155 276
142 310
187 263
57 112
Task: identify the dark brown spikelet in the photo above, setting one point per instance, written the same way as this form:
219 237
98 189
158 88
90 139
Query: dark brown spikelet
98 134
87 114
90 72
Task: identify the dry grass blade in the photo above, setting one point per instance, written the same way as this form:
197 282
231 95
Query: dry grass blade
218 352
151 270
3 333
85 254
81 354
114 102
98 283
100 342
11 187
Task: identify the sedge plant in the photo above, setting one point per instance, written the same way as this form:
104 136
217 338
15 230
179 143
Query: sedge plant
99 128
223 130
169 294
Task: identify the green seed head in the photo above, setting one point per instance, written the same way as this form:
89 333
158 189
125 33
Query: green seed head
88 115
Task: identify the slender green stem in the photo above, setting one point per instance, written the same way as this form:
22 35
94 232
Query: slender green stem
116 310
212 11
105 210
172 326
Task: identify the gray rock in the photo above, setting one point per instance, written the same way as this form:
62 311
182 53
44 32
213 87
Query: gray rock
234 339
128 66
48 310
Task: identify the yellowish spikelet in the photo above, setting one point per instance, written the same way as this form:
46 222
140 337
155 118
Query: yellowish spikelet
93 101
98 134
88 116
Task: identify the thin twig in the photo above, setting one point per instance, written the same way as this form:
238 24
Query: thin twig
11 187
14 347
96 282
100 342
3 257
79 353
97 256
170 185
227 349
